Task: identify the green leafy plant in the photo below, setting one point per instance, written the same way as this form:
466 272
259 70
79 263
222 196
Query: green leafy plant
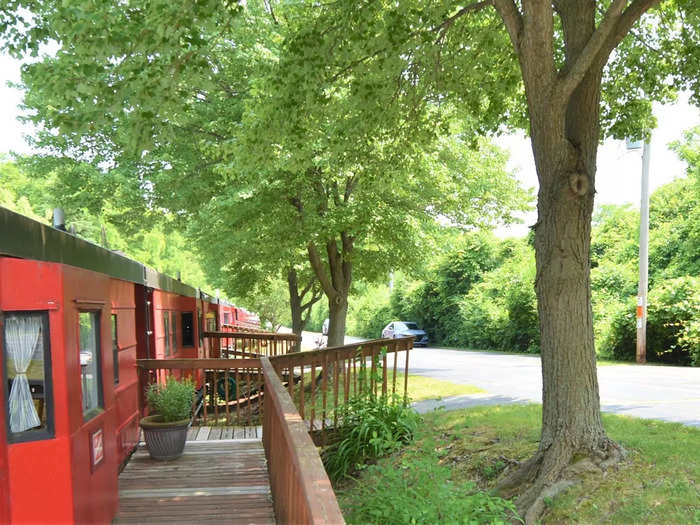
672 333
416 487
368 427
173 400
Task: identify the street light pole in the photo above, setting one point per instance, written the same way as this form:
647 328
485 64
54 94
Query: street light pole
643 259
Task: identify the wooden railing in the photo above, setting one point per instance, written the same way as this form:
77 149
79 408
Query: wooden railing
235 391
322 380
243 327
301 490
231 345
230 391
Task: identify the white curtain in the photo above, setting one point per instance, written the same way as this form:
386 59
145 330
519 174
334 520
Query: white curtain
22 334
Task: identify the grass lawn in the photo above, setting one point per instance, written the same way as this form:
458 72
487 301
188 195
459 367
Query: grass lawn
445 474
419 388
422 387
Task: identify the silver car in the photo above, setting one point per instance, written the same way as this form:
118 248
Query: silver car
403 329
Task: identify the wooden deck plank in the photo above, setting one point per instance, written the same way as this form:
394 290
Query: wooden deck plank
202 486
203 433
213 433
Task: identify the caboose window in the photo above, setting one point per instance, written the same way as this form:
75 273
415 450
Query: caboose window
187 329
27 370
115 349
166 332
173 332
200 328
90 369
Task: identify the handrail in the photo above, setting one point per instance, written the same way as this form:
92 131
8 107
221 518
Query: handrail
393 345
185 364
248 344
229 390
321 381
301 490
267 336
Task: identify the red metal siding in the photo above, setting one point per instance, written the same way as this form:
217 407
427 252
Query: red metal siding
174 305
95 496
4 467
126 391
40 467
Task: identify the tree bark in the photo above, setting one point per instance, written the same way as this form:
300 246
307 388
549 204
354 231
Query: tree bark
338 312
300 310
564 110
335 282
295 306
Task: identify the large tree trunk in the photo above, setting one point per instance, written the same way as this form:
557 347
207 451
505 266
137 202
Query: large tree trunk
564 141
571 423
338 312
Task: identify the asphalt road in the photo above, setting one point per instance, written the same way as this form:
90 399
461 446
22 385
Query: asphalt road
667 393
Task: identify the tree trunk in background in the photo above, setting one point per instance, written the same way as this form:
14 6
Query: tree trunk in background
335 277
301 310
338 312
295 306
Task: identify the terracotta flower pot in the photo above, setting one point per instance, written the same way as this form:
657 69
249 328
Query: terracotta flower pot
164 440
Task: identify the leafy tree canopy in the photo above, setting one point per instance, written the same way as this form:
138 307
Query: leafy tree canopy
37 194
202 112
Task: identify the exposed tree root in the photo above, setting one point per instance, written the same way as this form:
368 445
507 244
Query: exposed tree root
552 470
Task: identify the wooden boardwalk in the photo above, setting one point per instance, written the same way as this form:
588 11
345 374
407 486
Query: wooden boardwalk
215 481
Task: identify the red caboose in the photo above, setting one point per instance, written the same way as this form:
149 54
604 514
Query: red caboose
74 317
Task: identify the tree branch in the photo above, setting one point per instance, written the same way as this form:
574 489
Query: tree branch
348 245
315 297
615 25
350 187
512 19
307 288
633 13
336 264
318 294
317 265
336 193
268 6
445 24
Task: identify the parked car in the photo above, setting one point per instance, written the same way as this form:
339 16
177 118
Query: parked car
404 328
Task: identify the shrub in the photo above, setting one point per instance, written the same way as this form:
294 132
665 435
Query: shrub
672 324
501 311
172 401
369 312
368 427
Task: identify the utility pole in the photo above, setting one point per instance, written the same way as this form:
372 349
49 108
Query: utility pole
643 259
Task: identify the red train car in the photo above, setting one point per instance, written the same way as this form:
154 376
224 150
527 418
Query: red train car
74 318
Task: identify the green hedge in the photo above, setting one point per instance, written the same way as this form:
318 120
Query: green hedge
673 324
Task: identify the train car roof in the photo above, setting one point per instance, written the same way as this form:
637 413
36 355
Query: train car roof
26 238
